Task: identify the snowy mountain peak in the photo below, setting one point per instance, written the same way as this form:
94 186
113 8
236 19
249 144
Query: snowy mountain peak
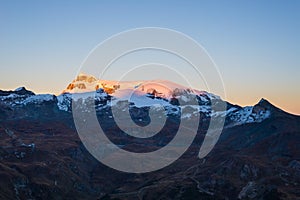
159 88
20 89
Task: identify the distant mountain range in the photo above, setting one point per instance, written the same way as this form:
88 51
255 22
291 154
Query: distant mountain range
42 157
139 94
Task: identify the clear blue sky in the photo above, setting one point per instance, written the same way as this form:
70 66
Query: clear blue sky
255 44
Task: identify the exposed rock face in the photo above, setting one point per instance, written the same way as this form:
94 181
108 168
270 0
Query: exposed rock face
258 191
249 172
295 164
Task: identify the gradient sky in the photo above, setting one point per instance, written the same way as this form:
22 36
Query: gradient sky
255 44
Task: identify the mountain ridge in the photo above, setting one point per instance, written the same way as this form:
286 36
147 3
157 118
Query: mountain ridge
22 96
